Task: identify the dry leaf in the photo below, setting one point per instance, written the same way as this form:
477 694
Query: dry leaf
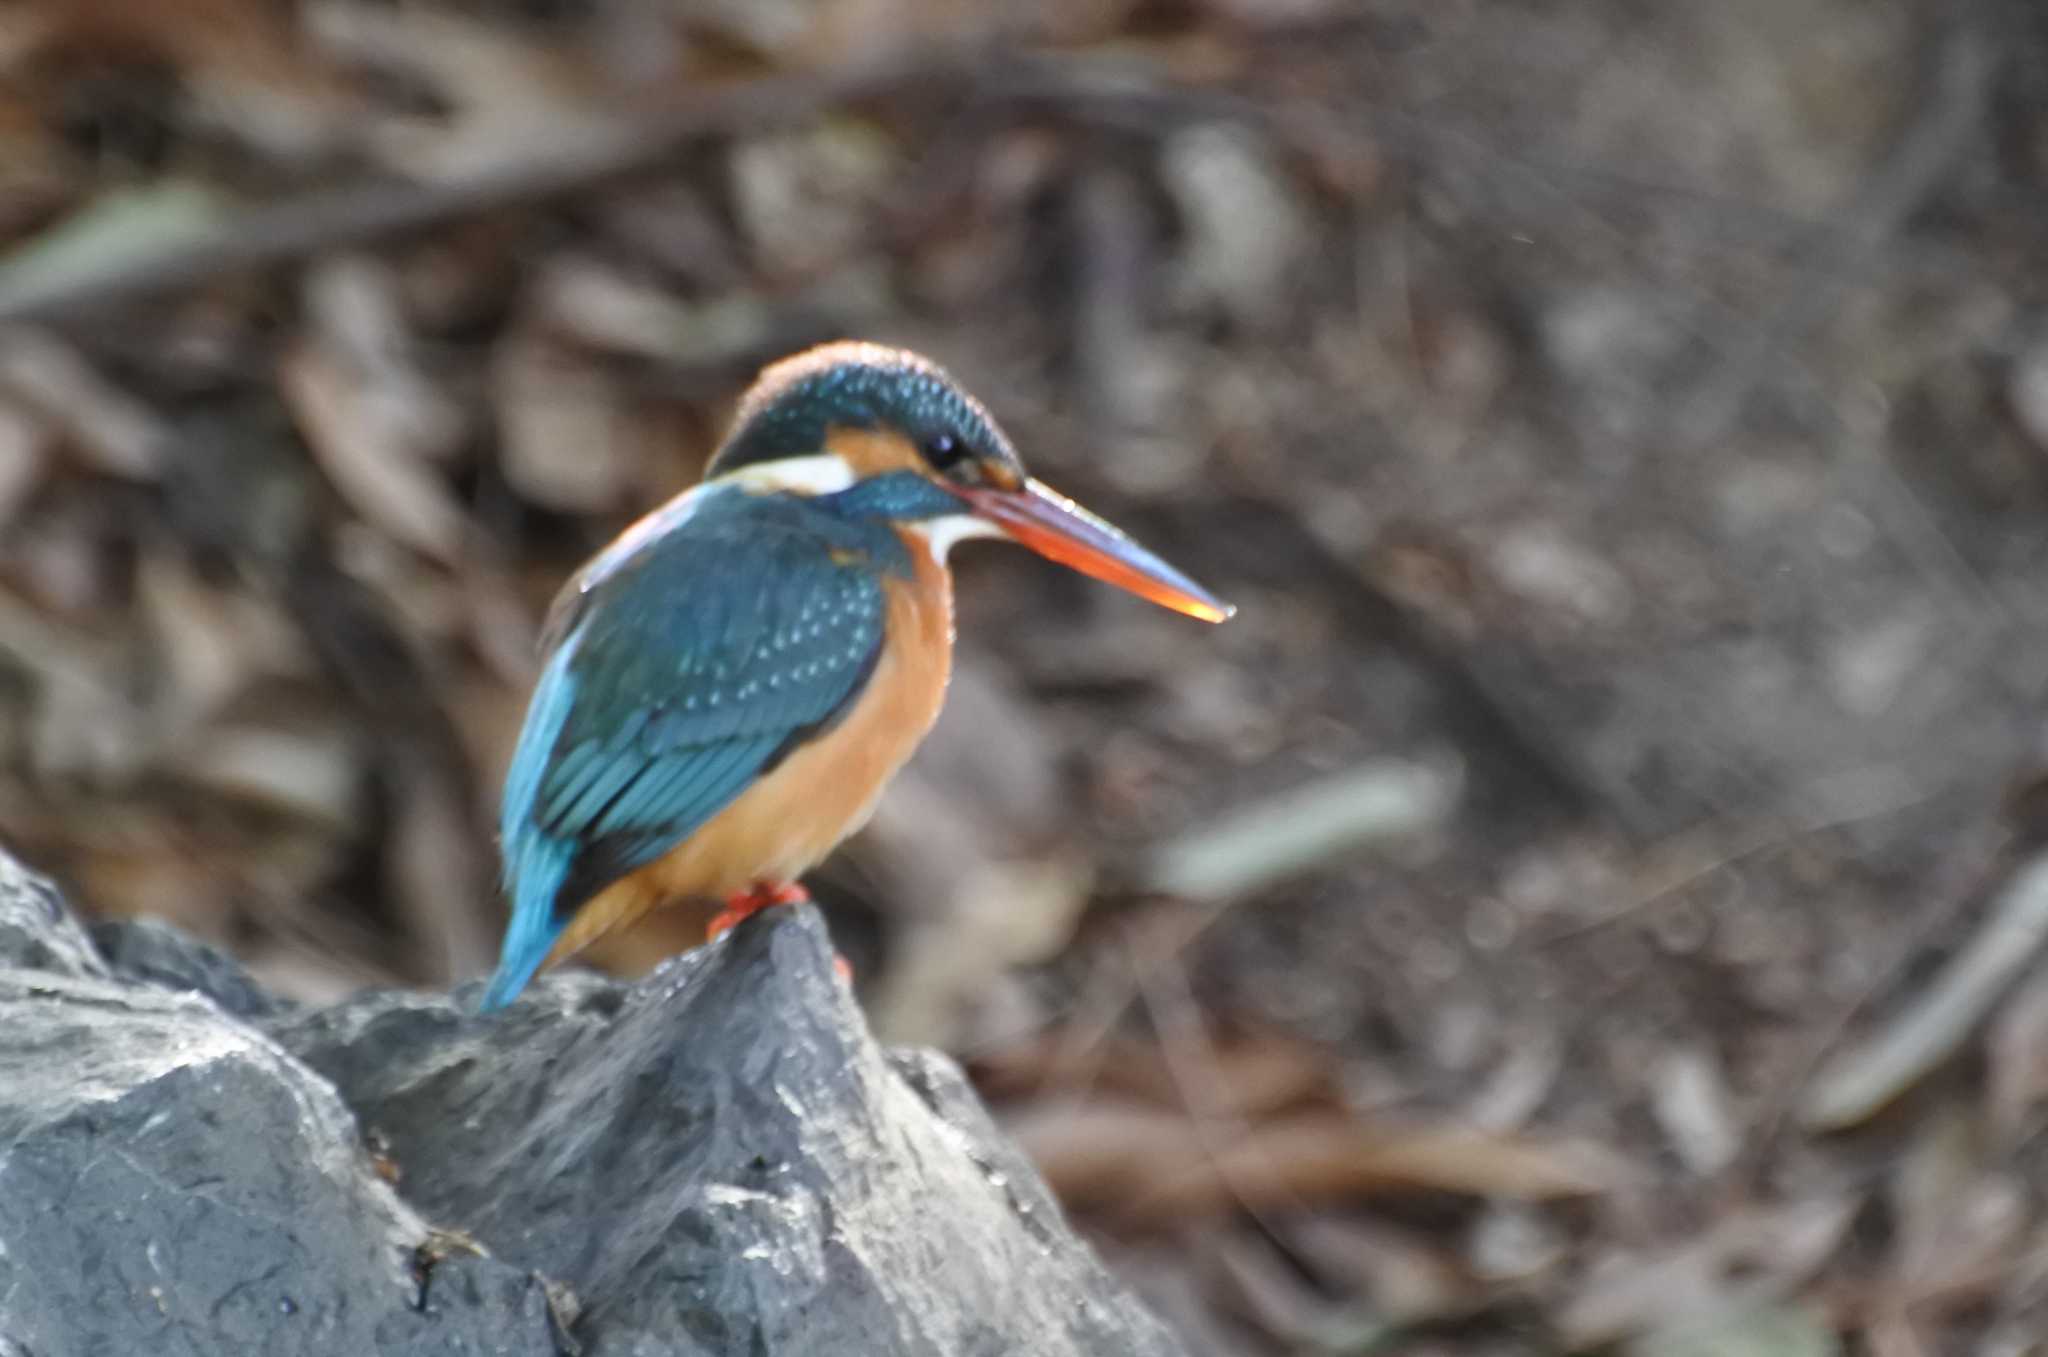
1402 1278
589 303
1746 1258
1263 1289
1246 226
356 306
369 459
209 644
25 446
314 975
436 877
1089 1151
242 64
1144 1166
306 772
2017 1056
112 431
1690 1101
1002 915
1960 1226
505 635
80 724
114 230
157 877
1743 1331
1246 1076
1936 1022
1512 1243
509 99
1306 828
1519 1085
1339 1155
566 440
804 198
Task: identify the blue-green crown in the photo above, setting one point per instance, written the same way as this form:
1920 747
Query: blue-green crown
858 386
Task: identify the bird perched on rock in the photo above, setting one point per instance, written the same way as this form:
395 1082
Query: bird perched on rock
730 684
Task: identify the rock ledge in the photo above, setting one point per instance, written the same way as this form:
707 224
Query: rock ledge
718 1161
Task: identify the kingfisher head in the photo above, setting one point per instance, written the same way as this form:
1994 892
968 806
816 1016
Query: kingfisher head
885 432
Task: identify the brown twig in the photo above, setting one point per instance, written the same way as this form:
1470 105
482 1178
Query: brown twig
1959 885
1752 842
351 215
1189 1053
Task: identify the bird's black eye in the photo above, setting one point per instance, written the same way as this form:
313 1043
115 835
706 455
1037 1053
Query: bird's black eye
944 451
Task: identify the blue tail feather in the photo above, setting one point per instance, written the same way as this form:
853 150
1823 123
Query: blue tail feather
536 871
536 863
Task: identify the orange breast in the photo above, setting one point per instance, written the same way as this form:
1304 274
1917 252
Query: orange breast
787 822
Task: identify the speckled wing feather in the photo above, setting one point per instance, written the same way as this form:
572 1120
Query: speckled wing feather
684 674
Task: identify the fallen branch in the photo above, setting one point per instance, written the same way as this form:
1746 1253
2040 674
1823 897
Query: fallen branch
1868 1077
358 213
1304 829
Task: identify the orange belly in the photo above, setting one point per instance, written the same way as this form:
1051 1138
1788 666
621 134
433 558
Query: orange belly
786 823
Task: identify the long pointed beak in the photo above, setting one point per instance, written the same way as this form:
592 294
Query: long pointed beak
1058 529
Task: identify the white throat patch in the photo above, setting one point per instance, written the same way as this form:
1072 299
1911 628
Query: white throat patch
941 533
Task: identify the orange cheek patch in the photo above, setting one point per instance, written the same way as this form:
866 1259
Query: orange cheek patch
871 452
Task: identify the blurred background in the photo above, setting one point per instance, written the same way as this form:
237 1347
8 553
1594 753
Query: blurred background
1588 900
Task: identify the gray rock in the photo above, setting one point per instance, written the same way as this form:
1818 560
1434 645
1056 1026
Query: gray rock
157 954
171 1183
36 931
718 1161
722 1161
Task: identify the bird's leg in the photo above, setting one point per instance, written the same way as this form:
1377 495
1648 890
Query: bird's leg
741 904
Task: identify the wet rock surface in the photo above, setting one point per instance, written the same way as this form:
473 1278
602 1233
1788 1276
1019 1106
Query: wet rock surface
172 1182
718 1161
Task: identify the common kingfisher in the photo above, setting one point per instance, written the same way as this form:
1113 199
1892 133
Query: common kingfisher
729 685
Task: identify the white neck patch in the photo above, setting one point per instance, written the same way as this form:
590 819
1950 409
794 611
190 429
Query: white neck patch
941 533
823 473
827 473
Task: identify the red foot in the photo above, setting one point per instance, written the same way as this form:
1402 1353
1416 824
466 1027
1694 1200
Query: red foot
764 894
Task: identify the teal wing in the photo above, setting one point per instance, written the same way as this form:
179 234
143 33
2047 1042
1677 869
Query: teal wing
683 676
